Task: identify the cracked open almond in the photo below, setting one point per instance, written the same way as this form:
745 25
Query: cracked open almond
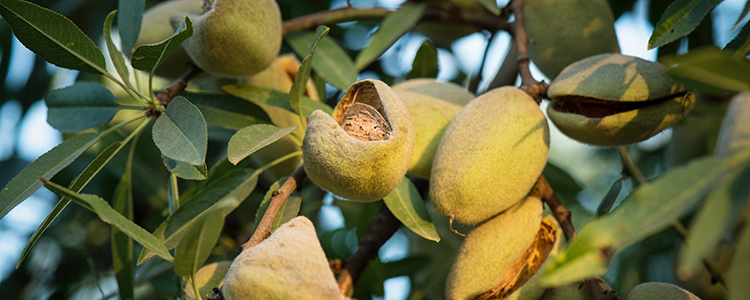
615 100
363 151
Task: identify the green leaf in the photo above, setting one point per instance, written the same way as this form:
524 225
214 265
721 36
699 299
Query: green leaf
129 22
200 239
330 62
52 36
27 181
112 217
236 185
425 63
287 212
646 211
491 5
391 29
409 208
122 244
148 57
180 132
739 270
275 98
743 14
228 111
185 170
562 182
80 106
266 201
116 55
709 70
680 19
303 74
253 138
740 44
78 184
609 199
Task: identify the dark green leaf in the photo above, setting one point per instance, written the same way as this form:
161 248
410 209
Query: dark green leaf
80 106
148 57
129 22
609 199
425 63
180 132
185 170
122 244
680 19
91 170
743 14
709 70
117 58
52 36
740 44
112 217
228 111
409 208
303 74
253 138
200 239
275 98
647 210
739 270
27 181
406 266
236 185
561 181
491 5
330 62
391 29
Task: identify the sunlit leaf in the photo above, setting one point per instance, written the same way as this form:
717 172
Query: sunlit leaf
180 132
253 138
148 57
303 74
709 70
425 63
330 61
114 54
185 170
112 217
390 30
52 36
680 19
80 106
275 98
228 111
27 181
129 22
200 239
408 207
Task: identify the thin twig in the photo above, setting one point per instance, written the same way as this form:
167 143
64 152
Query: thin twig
383 226
531 86
629 166
277 201
474 83
178 85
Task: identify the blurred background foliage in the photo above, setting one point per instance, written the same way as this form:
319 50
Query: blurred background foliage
72 260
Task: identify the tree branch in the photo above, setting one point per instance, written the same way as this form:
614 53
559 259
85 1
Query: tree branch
178 85
531 86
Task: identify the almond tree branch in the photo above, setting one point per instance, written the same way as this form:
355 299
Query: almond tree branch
531 86
178 85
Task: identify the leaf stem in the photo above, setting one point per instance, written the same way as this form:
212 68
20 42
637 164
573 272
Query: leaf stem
629 165
174 200
177 86
279 160
118 125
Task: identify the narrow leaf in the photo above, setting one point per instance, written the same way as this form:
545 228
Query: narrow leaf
743 14
122 245
303 74
129 22
740 44
27 181
228 111
148 57
80 106
180 132
195 247
266 202
185 170
286 213
709 70
78 184
275 98
609 199
739 271
391 29
112 217
52 36
680 19
253 138
425 63
562 182
647 210
409 208
116 55
330 62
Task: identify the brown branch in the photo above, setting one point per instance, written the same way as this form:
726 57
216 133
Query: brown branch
383 226
531 86
277 201
435 13
178 85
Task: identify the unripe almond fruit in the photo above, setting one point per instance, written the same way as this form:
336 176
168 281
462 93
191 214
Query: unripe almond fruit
615 100
660 291
364 150
588 30
235 38
290 264
432 105
734 136
490 156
